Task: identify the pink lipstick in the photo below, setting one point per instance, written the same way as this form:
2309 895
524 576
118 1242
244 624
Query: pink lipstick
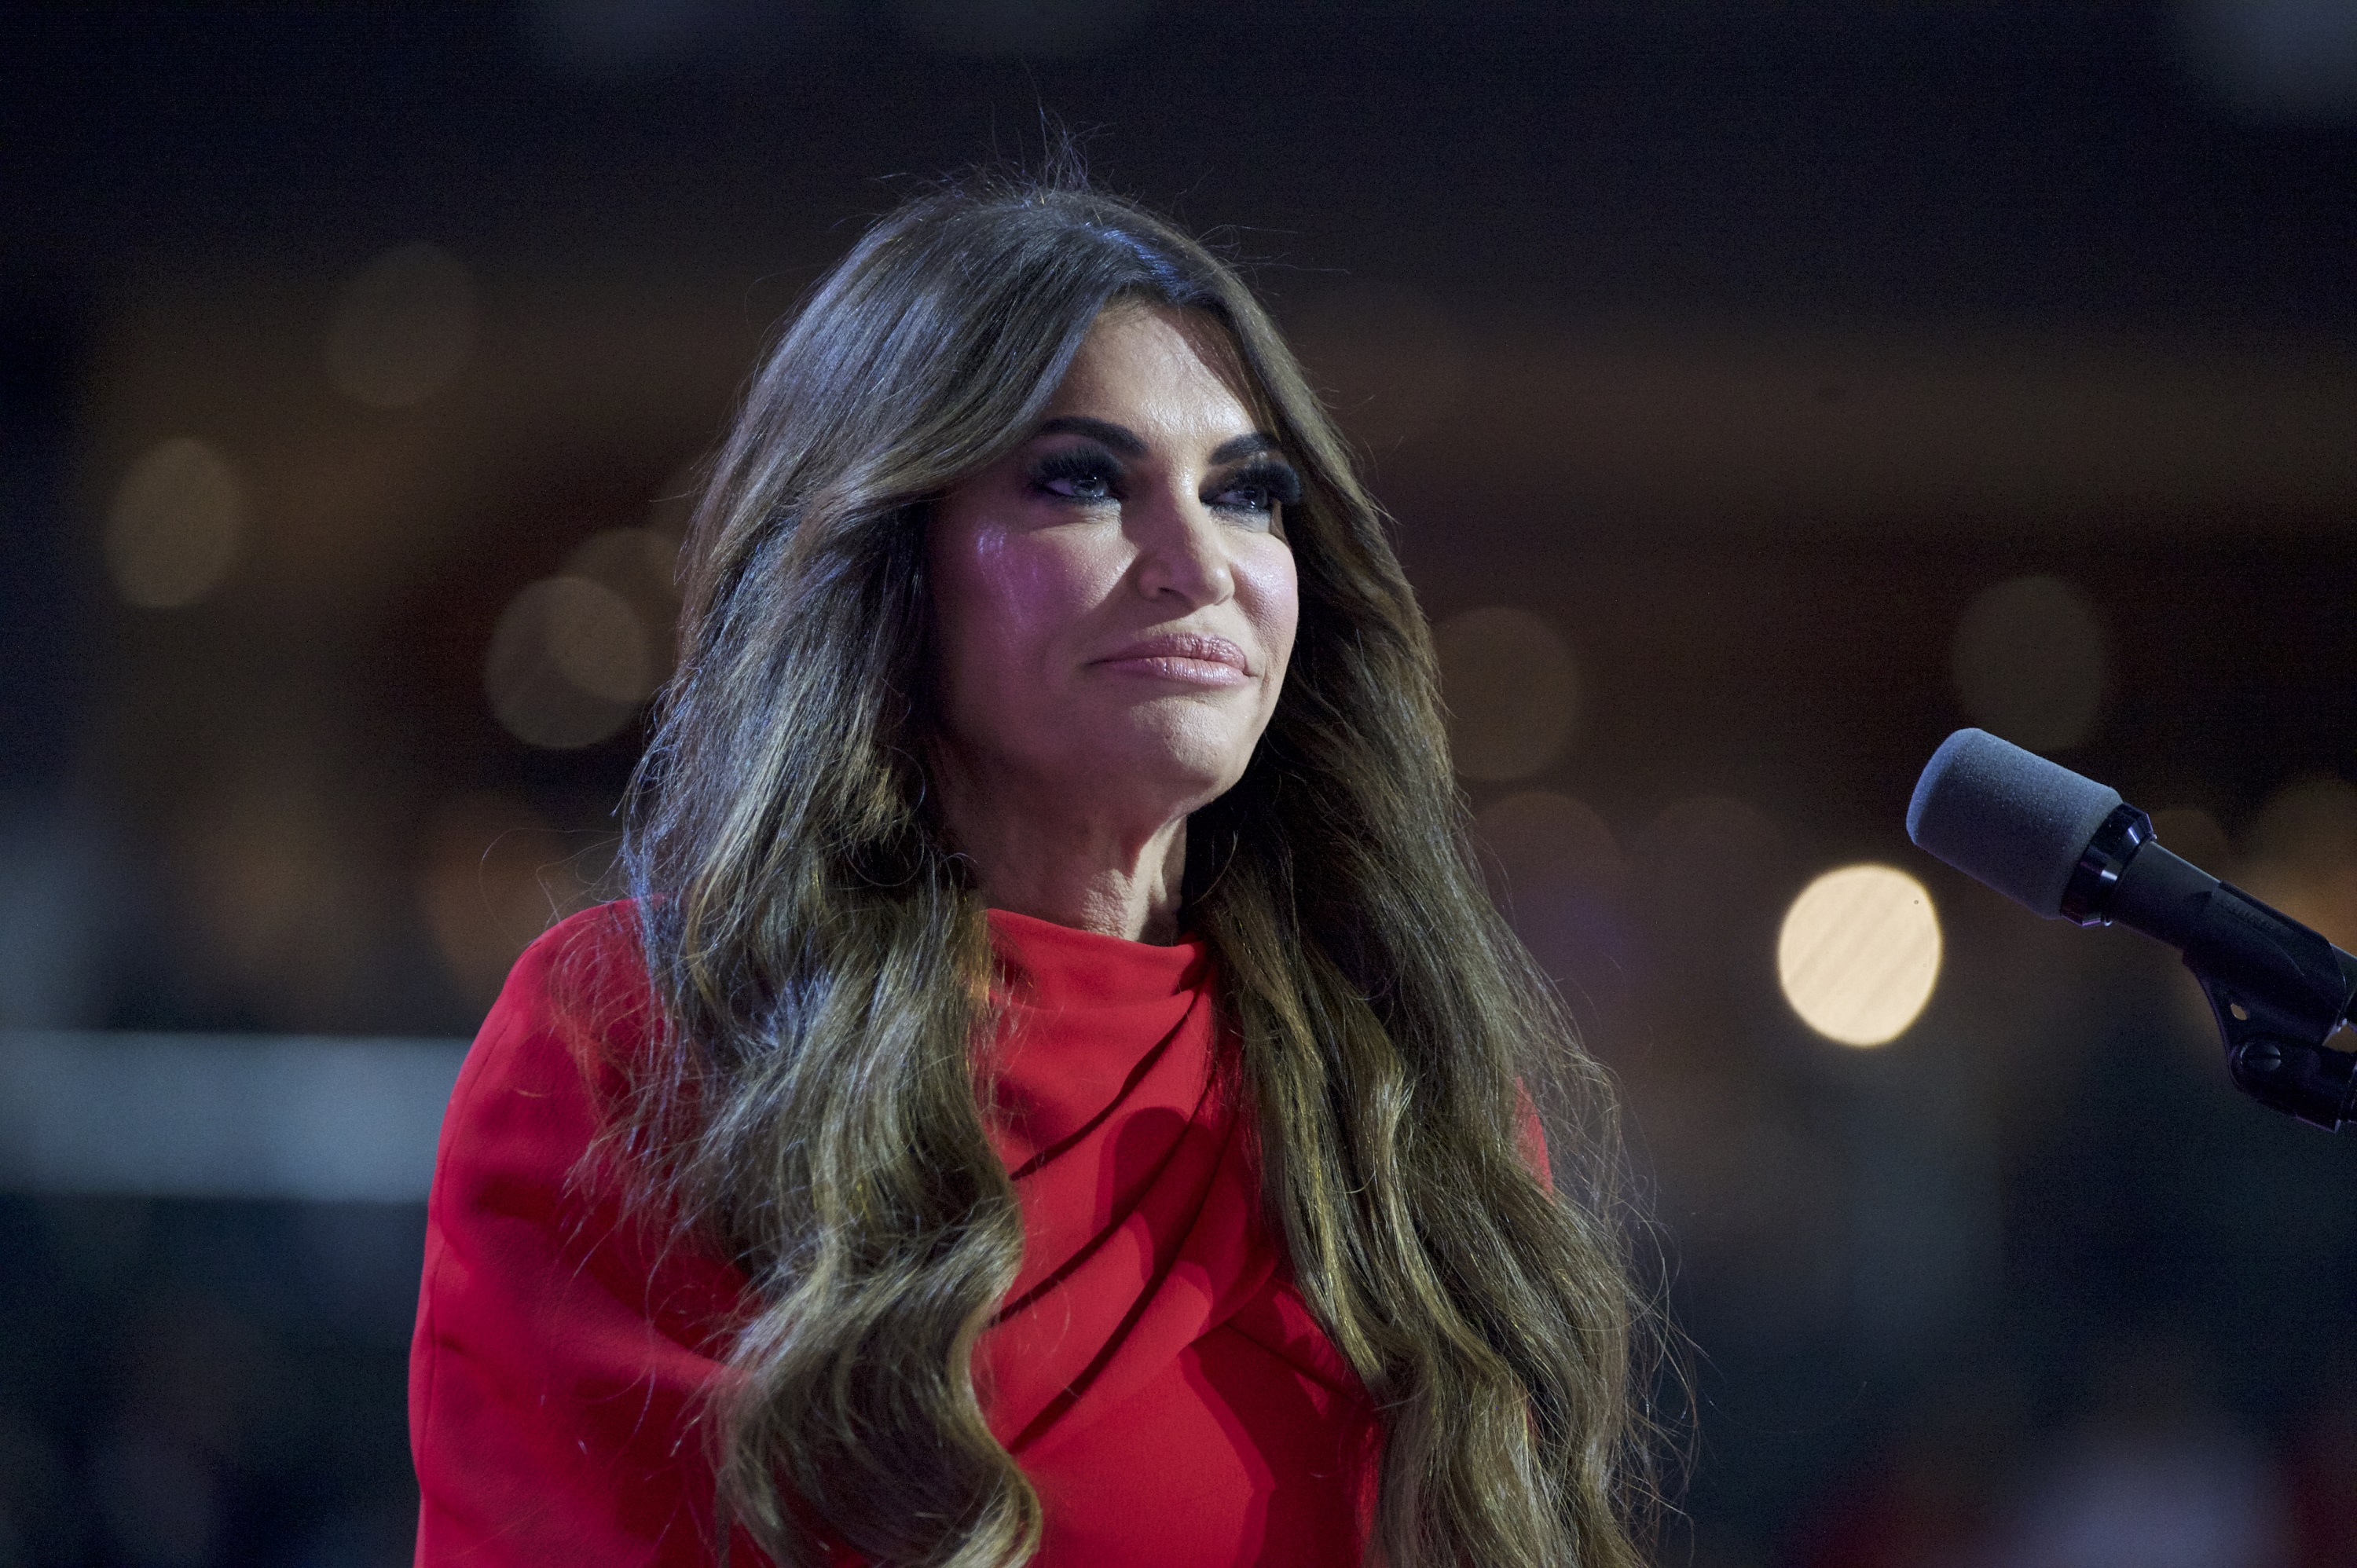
1192 658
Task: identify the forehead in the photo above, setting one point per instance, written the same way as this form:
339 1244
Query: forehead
1162 366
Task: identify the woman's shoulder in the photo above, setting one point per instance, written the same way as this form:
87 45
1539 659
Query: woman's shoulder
598 949
577 1015
583 981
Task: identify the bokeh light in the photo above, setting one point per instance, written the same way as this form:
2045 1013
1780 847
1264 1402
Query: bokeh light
1541 837
2190 831
1858 953
175 525
402 328
1553 869
593 641
495 876
2029 662
2303 855
568 662
268 885
641 566
1512 690
2274 60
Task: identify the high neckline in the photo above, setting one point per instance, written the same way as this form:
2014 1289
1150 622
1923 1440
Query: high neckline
1062 966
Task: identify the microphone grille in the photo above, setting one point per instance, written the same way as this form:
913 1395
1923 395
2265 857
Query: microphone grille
2007 817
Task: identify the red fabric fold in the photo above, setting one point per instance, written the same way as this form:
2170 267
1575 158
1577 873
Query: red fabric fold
1165 1388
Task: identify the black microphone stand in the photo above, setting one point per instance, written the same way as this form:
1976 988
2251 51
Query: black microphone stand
2278 989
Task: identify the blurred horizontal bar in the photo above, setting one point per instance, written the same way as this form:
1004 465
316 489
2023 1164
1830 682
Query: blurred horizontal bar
1967 434
319 1119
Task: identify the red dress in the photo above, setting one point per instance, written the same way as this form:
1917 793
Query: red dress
1158 1379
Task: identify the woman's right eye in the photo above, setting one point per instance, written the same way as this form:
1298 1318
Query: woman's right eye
1087 478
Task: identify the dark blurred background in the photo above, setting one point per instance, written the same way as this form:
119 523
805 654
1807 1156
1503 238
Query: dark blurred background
1761 392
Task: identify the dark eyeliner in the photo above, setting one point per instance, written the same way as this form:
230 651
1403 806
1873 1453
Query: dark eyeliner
1278 480
1077 465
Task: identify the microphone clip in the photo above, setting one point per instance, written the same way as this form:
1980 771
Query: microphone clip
2300 1078
2278 990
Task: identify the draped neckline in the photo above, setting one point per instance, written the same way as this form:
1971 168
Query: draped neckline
1108 1107
1080 1015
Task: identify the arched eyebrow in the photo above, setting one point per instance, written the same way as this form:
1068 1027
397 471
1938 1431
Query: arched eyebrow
1120 438
1240 446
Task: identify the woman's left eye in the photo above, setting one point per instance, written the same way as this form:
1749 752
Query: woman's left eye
1260 489
1081 477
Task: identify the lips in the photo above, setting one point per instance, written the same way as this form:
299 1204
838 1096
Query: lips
1193 658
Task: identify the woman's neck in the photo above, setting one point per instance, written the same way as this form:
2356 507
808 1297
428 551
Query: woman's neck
1085 870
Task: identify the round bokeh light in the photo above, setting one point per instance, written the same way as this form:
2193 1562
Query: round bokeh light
1512 690
173 530
2029 658
1858 953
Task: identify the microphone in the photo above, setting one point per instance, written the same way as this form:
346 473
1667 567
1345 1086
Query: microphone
2067 847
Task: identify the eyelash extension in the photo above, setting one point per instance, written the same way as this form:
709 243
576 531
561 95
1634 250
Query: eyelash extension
1081 465
1077 465
1283 485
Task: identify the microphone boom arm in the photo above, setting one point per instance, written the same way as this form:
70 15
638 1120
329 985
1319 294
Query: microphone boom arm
2277 988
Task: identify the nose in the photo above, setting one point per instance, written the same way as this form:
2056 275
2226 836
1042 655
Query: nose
1182 552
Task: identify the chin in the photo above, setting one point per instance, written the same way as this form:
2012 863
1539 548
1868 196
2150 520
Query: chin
1189 757
1185 778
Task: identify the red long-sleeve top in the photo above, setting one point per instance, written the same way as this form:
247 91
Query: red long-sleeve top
1161 1383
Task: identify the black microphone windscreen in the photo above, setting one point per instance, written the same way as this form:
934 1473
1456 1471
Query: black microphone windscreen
2007 817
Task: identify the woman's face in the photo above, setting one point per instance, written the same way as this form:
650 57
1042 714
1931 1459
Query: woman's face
1116 599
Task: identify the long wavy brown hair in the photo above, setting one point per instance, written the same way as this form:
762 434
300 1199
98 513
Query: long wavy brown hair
822 961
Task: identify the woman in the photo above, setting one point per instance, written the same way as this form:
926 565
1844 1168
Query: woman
1055 1095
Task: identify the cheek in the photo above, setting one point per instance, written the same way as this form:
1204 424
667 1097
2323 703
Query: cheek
1267 584
1006 598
